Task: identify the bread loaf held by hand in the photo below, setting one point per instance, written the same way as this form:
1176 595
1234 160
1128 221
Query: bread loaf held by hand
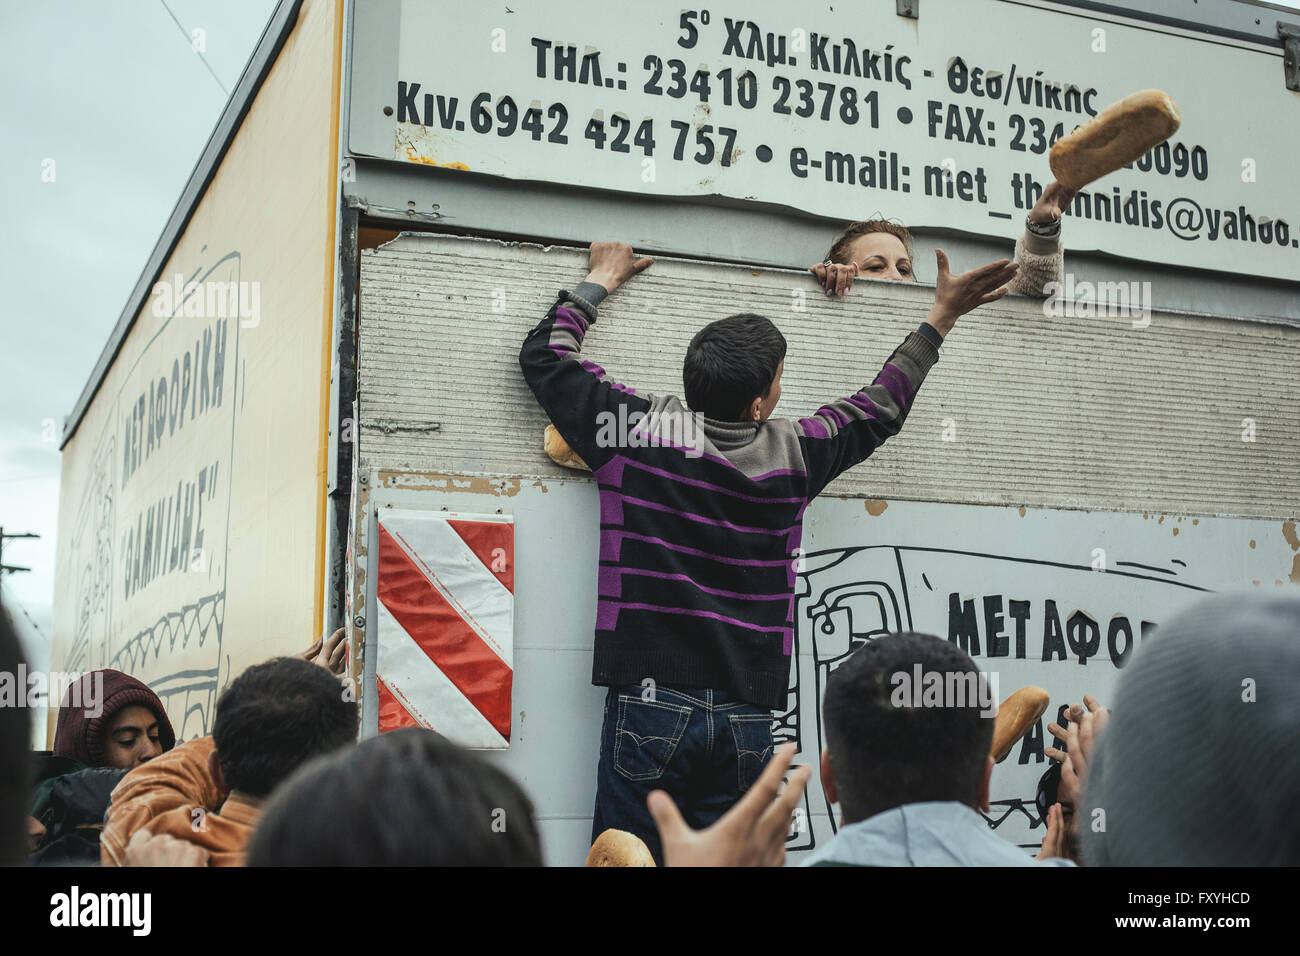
1015 716
1117 135
619 848
559 451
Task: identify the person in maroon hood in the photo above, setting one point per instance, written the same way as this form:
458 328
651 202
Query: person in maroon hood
109 723
110 719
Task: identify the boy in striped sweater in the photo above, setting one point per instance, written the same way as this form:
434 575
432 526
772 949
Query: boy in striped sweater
702 507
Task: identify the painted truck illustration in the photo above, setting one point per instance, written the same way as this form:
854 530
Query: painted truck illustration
1069 629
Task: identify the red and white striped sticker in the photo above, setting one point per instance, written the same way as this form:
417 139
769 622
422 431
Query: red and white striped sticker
446 624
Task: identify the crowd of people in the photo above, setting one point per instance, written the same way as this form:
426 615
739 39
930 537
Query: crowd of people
1186 769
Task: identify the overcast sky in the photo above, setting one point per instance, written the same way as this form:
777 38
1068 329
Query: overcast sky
113 92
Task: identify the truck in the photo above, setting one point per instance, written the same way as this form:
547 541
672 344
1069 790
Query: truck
312 399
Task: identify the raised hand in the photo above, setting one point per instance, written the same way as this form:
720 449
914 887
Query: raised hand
955 295
752 833
330 653
1052 203
613 263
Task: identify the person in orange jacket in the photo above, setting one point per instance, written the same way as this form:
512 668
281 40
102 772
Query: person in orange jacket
208 793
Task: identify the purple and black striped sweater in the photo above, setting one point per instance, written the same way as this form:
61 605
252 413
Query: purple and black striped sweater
700 519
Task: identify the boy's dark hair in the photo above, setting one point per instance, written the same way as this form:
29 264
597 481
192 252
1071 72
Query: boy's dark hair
276 716
408 797
730 363
884 756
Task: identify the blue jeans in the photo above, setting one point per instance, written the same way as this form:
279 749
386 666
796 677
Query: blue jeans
704 747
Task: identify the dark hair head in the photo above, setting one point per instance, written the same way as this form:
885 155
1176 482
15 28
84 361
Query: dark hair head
885 753
1194 769
15 766
840 248
276 716
730 363
405 798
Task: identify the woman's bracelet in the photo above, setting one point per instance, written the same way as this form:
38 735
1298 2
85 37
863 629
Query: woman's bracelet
1043 229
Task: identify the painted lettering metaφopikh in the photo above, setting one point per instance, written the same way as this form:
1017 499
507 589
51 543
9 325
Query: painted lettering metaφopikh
1074 635
195 385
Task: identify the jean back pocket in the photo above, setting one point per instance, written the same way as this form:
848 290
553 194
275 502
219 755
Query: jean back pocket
647 736
753 736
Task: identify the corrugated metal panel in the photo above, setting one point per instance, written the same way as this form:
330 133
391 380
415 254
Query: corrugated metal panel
1083 412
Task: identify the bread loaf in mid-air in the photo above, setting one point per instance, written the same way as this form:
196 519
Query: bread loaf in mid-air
1015 716
1117 135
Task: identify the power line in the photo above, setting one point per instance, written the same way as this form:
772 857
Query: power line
11 568
190 40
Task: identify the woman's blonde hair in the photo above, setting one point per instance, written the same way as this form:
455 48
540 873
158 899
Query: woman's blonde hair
840 249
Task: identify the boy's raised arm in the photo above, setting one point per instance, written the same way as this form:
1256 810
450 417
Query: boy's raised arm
845 432
572 391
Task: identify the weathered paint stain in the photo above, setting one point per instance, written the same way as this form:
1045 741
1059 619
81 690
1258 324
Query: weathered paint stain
1288 532
1196 521
405 142
1175 530
875 506
1162 520
541 484
417 157
1295 570
1252 544
1022 511
469 484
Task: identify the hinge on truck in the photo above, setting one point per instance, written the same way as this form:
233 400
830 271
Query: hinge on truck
1290 34
908 8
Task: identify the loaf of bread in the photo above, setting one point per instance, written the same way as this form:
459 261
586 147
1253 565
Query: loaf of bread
1016 715
1117 135
559 451
619 848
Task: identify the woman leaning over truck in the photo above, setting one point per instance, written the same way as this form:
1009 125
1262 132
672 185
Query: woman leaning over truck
880 249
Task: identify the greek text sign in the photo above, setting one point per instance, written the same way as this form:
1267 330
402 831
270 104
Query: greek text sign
945 121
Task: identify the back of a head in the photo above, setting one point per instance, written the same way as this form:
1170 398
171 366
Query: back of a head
729 363
1195 768
885 751
276 716
405 798
15 766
